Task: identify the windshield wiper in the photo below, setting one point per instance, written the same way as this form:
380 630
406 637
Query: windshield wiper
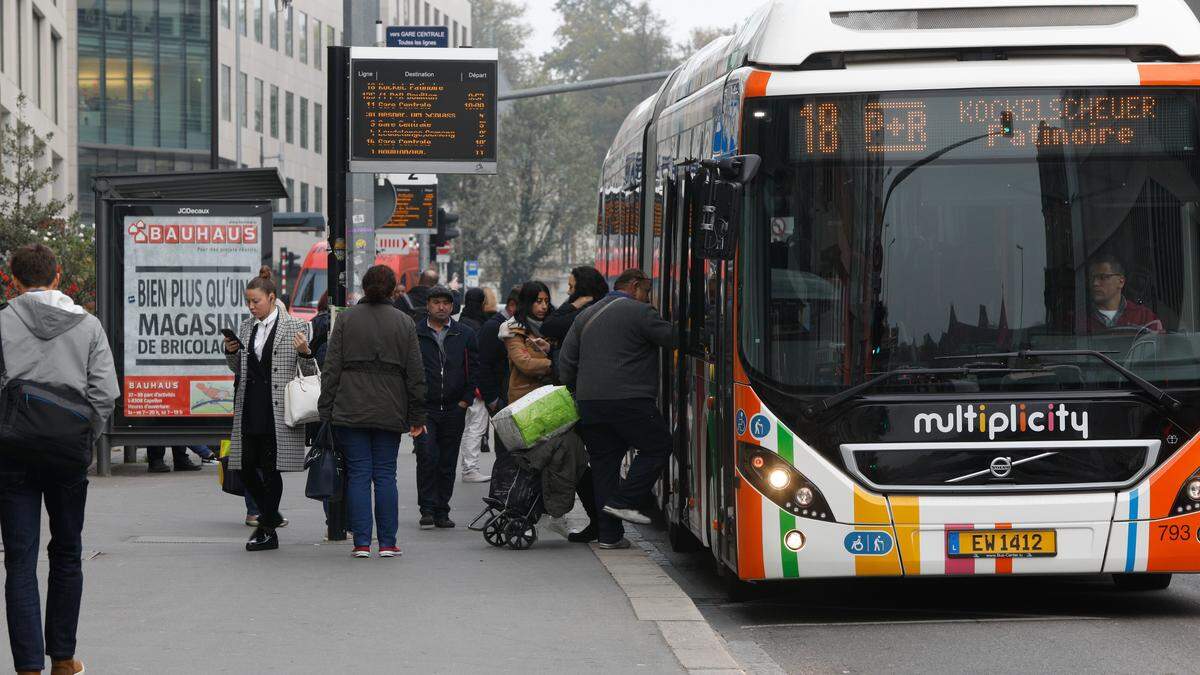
830 402
1157 395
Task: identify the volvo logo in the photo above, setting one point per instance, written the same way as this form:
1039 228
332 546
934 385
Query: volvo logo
1001 467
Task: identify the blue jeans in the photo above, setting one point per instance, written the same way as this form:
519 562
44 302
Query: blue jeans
371 459
22 490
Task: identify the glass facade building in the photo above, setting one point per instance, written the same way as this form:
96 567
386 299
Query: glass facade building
145 89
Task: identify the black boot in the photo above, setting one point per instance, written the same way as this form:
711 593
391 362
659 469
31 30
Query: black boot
263 540
185 464
158 467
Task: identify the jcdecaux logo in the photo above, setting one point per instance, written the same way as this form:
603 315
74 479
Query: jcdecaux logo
998 419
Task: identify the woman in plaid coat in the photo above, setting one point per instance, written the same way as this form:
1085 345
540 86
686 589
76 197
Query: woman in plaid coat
271 346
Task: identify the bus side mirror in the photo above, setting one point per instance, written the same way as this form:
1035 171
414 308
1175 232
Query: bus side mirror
721 220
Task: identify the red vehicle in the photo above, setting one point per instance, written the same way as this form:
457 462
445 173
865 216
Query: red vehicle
314 276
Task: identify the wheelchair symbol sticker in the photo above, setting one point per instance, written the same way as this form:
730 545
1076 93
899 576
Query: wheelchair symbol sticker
868 542
760 426
741 422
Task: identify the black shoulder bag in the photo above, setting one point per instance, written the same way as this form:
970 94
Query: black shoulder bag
47 424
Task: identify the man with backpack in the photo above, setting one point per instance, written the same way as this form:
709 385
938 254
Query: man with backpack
52 344
610 361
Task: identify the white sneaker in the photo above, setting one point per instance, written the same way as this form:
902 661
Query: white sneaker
628 515
558 526
475 477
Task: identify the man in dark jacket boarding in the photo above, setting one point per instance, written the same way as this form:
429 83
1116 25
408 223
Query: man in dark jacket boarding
610 361
450 354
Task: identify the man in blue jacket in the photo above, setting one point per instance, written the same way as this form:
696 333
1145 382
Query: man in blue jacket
450 354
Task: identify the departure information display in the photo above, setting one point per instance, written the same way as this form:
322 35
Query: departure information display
430 110
994 124
416 208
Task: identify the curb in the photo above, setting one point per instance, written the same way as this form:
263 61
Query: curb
655 597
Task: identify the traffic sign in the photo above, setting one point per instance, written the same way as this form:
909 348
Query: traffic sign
471 273
443 253
393 243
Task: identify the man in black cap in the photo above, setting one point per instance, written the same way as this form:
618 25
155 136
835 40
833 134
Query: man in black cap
450 353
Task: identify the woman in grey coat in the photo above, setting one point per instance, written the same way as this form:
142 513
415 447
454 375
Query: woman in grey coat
270 348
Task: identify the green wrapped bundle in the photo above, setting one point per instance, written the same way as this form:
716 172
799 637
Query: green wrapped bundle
542 414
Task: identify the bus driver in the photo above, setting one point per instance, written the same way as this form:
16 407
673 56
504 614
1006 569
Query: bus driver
1110 307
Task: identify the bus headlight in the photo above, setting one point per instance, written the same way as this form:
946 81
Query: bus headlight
782 483
1193 490
1188 498
794 540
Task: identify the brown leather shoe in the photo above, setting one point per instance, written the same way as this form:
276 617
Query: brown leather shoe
68 667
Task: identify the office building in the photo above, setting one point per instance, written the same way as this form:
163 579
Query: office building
36 60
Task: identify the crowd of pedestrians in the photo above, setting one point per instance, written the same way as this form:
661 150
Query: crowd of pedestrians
395 363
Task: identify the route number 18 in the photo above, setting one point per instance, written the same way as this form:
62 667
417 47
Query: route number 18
820 128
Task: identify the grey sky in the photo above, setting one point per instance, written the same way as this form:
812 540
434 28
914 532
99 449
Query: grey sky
681 16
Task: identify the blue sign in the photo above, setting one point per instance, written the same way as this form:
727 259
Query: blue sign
760 426
418 36
869 542
741 419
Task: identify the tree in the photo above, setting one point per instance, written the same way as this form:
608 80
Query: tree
25 176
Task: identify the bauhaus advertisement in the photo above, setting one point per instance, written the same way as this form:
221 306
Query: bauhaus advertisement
185 272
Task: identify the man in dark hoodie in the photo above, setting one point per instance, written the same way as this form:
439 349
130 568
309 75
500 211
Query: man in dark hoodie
48 339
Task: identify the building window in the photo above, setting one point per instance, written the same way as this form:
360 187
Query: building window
225 98
241 16
426 14
455 33
289 115
417 11
318 120
55 59
287 31
437 17
318 199
302 29
330 34
291 190
225 13
303 122
273 24
304 197
466 39
258 19
258 105
274 111
242 96
38 20
317 44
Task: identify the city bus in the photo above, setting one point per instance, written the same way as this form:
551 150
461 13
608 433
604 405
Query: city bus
935 276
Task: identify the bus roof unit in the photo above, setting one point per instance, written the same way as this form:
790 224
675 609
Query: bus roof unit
786 33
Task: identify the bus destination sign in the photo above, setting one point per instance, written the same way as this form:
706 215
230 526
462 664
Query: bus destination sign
413 113
983 125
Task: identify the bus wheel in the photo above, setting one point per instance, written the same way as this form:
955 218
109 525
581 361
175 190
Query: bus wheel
682 540
1142 582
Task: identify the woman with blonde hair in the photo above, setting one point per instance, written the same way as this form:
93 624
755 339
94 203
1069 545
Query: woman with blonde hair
270 348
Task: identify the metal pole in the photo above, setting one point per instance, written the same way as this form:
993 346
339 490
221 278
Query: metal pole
337 172
238 21
214 89
104 305
582 86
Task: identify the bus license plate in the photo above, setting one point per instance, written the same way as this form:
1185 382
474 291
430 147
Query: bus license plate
1001 543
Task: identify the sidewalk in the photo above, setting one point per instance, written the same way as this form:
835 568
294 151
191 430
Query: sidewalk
170 589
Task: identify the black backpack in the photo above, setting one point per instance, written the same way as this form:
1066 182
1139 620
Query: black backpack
45 424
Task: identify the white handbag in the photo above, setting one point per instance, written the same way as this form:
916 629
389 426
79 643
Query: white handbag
300 399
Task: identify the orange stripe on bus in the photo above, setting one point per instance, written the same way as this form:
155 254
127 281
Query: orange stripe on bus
907 513
749 532
756 84
1169 74
869 509
1004 565
1167 479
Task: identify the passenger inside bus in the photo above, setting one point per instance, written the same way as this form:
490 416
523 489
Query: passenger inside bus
1110 308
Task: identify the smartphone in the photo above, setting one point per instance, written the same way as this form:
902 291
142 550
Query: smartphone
230 335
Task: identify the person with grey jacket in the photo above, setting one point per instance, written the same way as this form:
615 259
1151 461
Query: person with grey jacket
48 339
610 361
372 391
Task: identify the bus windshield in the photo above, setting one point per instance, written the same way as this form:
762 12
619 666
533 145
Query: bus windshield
938 229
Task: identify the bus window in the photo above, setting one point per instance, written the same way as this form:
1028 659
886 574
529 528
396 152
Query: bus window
860 259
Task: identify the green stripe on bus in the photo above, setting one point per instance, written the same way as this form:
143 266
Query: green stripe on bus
787 523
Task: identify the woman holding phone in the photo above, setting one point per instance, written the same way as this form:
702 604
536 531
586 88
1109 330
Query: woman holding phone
269 348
